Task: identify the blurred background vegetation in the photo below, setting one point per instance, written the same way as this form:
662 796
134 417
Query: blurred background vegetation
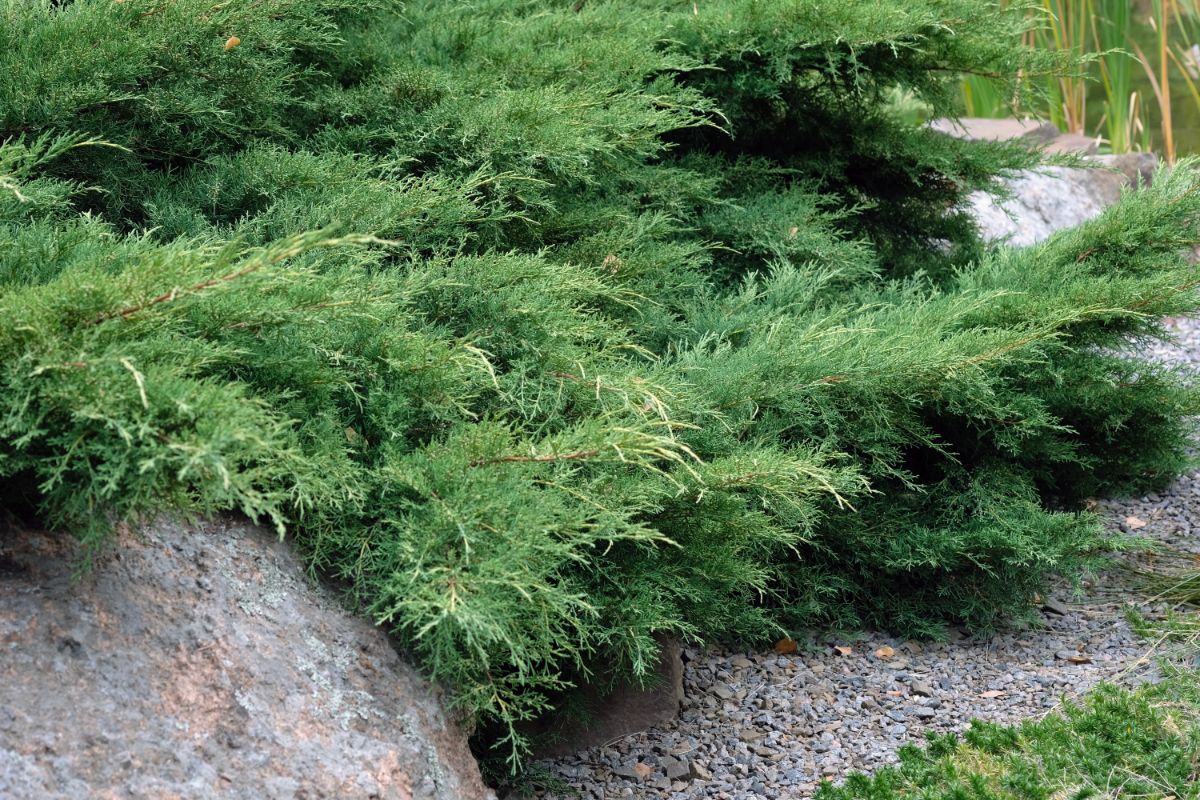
1140 88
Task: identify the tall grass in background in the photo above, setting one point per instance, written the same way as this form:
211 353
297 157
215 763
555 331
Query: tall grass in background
1165 17
1111 26
1185 54
1154 43
1067 27
1097 29
981 98
1165 12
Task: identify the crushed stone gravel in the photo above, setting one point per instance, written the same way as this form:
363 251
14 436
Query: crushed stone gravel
758 725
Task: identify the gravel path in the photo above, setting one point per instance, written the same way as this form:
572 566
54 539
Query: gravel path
762 725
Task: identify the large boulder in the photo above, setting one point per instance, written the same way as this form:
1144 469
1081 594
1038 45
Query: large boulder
1045 200
199 662
1052 198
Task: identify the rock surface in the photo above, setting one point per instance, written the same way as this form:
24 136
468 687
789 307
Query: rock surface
197 662
981 128
1052 198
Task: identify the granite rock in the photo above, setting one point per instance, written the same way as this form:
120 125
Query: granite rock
197 661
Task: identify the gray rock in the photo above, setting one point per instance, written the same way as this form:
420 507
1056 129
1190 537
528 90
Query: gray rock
978 128
1046 200
198 662
1051 198
1073 143
1053 606
676 768
1138 168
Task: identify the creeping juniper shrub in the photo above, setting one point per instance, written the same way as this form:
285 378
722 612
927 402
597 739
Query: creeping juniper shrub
549 330
1115 743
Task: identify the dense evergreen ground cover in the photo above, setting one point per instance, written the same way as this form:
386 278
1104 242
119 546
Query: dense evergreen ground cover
549 326
1116 743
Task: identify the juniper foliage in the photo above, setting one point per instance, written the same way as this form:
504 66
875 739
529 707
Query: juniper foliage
1150 736
549 327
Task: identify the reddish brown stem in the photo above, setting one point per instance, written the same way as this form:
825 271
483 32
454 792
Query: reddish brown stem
171 295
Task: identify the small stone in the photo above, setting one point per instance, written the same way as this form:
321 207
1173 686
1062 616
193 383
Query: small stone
723 691
676 768
923 712
1074 657
1052 606
921 687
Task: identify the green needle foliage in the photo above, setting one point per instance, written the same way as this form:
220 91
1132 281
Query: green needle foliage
1118 743
551 327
